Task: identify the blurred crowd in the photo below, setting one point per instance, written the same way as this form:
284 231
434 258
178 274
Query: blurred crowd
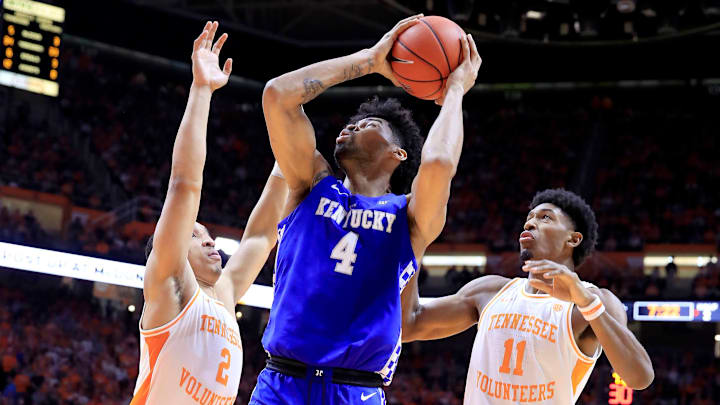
110 242
644 159
60 346
60 349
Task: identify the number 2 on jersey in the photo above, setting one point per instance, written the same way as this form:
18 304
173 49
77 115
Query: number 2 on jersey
221 376
505 367
345 252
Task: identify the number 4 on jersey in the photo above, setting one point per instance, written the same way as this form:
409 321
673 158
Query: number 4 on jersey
345 252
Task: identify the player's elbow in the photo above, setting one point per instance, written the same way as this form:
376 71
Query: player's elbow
184 184
270 93
409 333
438 165
273 94
642 378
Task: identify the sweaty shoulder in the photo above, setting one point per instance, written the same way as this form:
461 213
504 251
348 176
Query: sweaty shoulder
483 289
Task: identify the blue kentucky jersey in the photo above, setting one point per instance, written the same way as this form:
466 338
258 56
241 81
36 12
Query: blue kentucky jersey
342 262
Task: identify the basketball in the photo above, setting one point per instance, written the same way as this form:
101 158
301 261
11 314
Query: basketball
425 54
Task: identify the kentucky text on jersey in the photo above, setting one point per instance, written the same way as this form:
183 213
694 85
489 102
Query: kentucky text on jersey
342 262
356 218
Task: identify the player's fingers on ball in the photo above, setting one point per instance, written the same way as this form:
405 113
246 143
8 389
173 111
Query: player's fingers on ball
228 66
465 49
402 27
473 47
412 17
219 44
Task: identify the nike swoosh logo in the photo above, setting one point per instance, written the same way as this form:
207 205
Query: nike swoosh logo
335 187
365 398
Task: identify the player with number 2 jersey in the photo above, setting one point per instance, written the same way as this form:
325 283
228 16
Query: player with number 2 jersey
190 349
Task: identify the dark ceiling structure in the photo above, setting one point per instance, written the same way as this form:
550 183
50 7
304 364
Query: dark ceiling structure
313 23
520 41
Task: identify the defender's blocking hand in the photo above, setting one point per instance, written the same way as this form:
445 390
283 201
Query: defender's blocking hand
205 59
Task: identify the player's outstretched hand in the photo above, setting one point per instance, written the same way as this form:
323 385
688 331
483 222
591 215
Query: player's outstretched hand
558 281
381 50
205 59
466 73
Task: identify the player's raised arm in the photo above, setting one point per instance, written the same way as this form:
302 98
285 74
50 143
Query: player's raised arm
172 237
292 136
440 154
259 236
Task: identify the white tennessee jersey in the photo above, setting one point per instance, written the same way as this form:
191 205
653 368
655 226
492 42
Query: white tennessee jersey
194 359
525 351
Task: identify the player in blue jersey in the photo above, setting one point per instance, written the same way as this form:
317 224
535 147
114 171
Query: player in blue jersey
347 248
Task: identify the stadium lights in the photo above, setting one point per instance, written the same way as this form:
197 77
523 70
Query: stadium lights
717 338
454 260
238 314
535 15
131 308
227 245
658 260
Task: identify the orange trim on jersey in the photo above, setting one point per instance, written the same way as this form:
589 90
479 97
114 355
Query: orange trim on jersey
174 321
154 344
579 371
502 290
535 296
583 357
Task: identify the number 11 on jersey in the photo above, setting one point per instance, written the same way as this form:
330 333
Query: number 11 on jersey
345 252
505 366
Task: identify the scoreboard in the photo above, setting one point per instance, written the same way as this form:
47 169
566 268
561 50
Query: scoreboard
673 311
31 38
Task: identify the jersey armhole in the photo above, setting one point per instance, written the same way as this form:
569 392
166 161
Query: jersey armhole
168 325
571 338
494 298
312 191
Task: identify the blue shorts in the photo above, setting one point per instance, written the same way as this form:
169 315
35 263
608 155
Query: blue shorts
274 388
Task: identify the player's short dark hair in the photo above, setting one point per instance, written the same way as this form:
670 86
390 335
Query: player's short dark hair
149 246
405 130
581 215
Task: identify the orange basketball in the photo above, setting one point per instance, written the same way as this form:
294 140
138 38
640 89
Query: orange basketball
425 54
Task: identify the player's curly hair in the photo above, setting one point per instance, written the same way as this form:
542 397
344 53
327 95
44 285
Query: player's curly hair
581 215
405 130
